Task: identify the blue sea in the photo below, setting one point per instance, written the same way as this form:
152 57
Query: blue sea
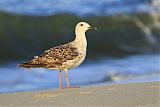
131 69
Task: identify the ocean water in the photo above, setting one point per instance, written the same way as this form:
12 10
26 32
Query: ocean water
136 68
78 7
129 69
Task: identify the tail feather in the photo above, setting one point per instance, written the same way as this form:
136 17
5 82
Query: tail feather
31 65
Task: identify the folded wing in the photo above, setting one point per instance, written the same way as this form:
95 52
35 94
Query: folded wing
54 57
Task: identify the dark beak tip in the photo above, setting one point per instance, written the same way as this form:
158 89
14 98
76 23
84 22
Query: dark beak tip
94 28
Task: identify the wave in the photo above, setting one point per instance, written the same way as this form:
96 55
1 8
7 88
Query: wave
22 37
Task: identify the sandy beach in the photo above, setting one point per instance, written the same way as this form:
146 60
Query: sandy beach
118 95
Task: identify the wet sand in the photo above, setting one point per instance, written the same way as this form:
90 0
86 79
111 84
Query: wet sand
118 95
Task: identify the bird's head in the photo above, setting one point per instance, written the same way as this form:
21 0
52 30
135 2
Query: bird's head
83 27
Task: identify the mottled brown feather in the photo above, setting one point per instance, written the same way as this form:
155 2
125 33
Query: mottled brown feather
54 57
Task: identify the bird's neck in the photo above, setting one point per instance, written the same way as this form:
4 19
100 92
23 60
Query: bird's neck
81 41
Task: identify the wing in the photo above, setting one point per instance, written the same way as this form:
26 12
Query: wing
60 54
54 57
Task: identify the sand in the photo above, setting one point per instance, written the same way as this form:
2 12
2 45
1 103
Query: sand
118 95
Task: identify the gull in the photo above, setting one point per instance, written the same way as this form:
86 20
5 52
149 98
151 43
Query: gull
63 57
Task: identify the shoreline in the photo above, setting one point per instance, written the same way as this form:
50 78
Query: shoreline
117 95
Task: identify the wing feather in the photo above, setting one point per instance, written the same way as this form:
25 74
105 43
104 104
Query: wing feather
54 57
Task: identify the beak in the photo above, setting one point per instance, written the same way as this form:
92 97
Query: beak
93 28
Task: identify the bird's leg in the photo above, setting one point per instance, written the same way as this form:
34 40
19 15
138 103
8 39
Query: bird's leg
67 80
60 79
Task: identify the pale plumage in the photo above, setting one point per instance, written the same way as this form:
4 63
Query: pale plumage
63 57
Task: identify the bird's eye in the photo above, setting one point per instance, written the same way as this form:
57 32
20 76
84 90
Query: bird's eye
81 24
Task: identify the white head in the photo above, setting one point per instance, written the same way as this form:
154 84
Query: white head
83 27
